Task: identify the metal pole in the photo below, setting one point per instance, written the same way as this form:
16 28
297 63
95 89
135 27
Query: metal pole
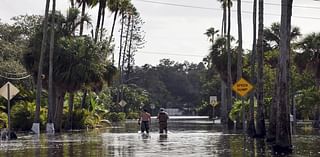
243 116
9 125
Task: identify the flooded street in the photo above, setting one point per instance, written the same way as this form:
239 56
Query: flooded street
187 138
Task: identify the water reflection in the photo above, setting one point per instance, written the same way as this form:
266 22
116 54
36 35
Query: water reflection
186 138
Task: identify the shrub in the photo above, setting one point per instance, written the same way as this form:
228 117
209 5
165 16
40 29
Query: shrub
22 116
116 117
132 115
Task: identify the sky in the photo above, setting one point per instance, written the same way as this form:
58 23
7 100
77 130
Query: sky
175 28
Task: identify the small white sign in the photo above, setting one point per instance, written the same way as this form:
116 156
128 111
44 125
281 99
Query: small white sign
13 91
122 103
213 100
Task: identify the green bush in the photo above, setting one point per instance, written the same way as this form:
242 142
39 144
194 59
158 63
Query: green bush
116 117
78 118
22 116
3 120
132 115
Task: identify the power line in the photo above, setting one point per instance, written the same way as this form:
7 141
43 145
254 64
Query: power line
18 78
218 9
171 54
295 6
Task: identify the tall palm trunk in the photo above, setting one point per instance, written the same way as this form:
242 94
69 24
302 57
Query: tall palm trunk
229 79
125 47
130 45
83 12
98 22
261 129
251 131
72 3
70 117
112 30
50 104
283 134
239 60
60 94
273 111
35 126
316 123
119 61
102 23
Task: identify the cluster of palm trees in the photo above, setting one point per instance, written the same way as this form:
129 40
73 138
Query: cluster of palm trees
279 121
64 31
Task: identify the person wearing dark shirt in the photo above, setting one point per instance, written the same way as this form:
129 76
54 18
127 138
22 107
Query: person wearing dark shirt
163 121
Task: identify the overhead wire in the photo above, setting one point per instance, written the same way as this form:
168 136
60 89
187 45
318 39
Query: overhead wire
219 9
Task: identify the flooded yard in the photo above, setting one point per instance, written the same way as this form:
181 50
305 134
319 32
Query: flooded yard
187 138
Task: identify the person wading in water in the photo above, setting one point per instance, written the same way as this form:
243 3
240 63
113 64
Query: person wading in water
163 118
144 121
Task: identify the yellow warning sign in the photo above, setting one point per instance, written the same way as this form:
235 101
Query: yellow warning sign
242 87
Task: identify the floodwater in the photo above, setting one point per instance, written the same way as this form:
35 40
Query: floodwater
187 138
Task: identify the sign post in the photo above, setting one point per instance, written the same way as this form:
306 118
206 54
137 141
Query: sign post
213 103
8 91
242 87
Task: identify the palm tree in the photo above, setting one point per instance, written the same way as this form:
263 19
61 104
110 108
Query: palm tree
100 17
251 131
260 130
83 4
283 135
229 79
210 33
50 128
113 6
35 126
309 59
239 57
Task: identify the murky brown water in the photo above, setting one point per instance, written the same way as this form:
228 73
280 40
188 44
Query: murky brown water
196 138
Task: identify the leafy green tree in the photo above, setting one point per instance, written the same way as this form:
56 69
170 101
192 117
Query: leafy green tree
309 60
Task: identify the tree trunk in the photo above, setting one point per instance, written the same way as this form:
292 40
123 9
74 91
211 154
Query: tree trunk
229 79
72 3
273 111
239 59
98 23
50 99
251 126
283 134
111 34
125 47
43 49
316 122
102 23
83 12
60 94
119 61
224 114
261 129
129 51
70 117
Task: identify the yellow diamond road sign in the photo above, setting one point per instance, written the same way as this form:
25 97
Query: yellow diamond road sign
242 87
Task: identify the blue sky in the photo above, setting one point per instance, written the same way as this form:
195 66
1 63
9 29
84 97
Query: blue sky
176 32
